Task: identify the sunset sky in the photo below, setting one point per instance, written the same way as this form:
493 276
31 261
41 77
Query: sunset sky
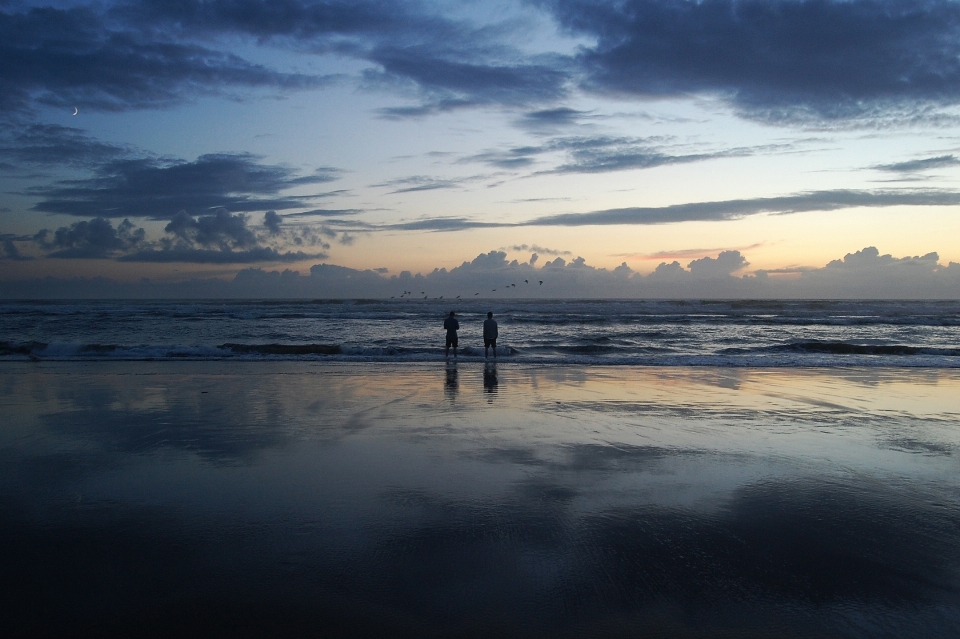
188 139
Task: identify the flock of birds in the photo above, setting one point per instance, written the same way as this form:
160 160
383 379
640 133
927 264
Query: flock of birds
409 294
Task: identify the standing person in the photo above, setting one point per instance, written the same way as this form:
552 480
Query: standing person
452 326
490 333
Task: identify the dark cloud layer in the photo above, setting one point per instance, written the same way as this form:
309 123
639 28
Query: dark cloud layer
778 60
143 187
775 59
92 240
79 57
134 54
220 238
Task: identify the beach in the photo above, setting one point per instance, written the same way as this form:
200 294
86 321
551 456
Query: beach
467 498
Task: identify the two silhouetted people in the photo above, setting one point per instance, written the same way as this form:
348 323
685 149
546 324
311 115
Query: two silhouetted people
490 334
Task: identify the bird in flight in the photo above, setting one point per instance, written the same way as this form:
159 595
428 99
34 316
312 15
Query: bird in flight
541 282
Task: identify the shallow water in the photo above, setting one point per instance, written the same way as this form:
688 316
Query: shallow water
297 498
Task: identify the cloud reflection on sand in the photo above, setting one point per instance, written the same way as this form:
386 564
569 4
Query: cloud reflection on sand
299 497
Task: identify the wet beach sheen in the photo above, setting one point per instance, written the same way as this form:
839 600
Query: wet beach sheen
430 499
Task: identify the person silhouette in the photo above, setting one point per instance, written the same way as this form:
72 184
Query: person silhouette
490 334
452 326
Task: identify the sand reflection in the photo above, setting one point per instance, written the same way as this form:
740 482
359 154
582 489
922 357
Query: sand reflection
478 498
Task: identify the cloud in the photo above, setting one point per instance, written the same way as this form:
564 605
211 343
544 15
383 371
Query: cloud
736 209
536 249
924 164
869 260
96 239
324 213
220 229
447 73
774 60
512 158
869 274
225 238
551 119
81 56
777 60
717 211
682 253
416 183
55 145
222 256
220 238
604 154
160 189
705 211
865 274
451 63
423 110
10 249
702 211
445 224
725 264
271 220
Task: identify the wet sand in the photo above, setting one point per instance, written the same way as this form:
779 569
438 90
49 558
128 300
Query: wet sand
252 499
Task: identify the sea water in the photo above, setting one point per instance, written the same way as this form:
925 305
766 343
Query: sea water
659 333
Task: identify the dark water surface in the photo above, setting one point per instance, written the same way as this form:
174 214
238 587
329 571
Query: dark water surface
782 333
316 499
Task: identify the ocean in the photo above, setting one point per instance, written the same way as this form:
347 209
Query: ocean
653 333
622 469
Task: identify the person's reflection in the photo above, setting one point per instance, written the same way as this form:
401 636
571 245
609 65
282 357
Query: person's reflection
490 378
451 386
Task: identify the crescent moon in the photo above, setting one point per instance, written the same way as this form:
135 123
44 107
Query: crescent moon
75 110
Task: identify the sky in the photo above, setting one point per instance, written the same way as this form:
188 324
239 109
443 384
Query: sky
633 148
